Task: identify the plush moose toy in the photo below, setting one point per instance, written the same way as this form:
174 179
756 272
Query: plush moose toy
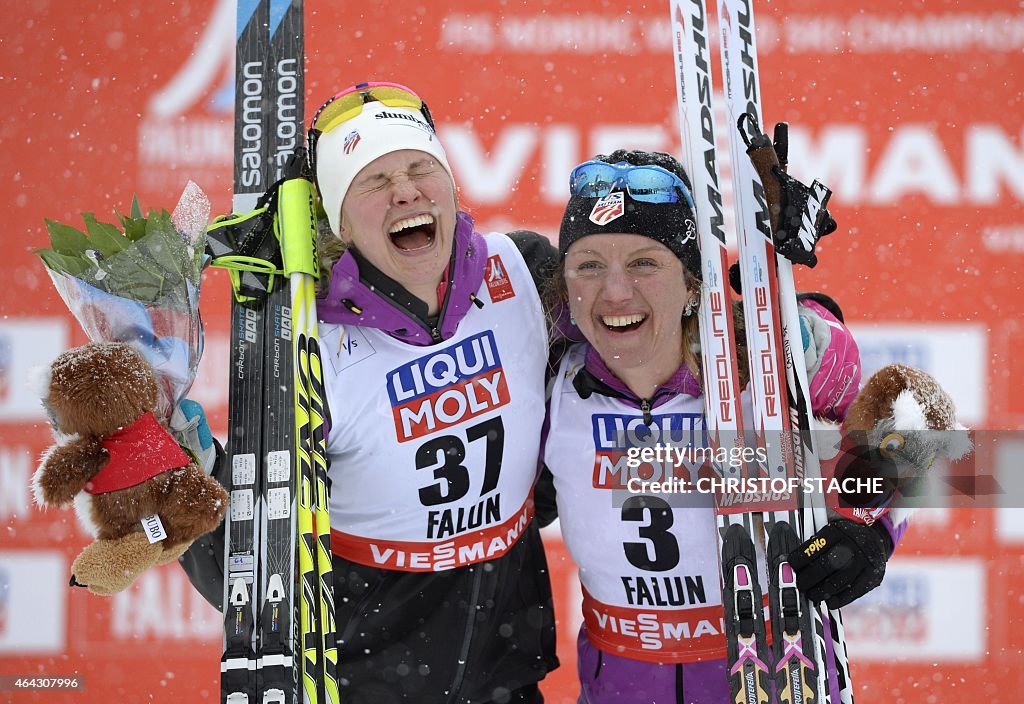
143 497
905 411
901 422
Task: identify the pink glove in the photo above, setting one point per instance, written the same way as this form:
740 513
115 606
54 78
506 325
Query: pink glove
832 359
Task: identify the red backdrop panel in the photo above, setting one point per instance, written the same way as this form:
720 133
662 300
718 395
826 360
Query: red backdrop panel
912 115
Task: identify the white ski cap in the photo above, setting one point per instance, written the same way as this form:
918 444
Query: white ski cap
378 130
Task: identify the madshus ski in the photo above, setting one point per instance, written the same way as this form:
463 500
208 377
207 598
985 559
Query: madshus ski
799 650
278 593
793 669
742 595
806 636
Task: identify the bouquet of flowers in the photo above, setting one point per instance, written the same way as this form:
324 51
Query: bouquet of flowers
139 284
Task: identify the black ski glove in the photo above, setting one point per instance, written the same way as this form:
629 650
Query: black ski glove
799 216
842 562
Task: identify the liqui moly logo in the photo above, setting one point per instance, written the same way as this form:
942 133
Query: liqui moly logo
447 387
615 435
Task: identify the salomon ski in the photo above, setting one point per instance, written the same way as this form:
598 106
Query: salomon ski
245 392
276 635
271 434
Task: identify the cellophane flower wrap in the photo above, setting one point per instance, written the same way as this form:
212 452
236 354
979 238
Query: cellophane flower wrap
139 284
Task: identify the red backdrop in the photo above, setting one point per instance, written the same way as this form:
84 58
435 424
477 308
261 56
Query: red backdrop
911 115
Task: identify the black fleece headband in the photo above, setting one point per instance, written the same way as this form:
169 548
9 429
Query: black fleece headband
671 224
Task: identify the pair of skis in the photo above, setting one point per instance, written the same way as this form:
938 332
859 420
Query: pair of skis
808 643
279 634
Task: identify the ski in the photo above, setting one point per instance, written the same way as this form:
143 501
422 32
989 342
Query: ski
742 595
258 666
276 637
805 636
797 633
245 400
280 642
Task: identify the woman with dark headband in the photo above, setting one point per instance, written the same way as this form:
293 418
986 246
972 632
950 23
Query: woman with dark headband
435 347
630 278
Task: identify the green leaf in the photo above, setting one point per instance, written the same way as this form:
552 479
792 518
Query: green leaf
76 266
136 211
105 237
66 239
165 246
134 228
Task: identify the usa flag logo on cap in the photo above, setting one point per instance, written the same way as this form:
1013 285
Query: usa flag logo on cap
351 140
608 208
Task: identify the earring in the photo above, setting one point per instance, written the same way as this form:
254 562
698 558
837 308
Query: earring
691 306
572 319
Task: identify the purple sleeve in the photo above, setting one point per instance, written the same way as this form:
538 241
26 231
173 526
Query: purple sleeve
896 531
837 380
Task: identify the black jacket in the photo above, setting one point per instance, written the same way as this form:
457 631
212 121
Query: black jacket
467 635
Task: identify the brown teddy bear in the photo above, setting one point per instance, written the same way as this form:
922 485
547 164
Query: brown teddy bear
142 497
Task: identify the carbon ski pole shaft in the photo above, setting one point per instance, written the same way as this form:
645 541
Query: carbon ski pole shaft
742 596
314 631
783 420
318 633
